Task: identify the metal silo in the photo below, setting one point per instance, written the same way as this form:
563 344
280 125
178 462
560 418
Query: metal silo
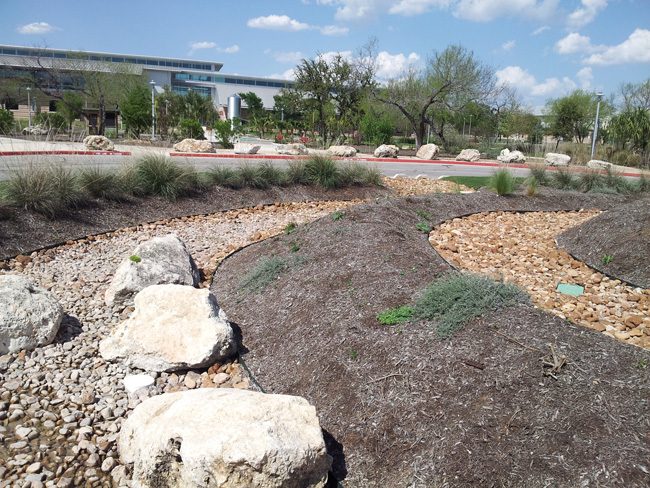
234 107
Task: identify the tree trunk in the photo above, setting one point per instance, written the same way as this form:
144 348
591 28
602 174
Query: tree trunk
101 123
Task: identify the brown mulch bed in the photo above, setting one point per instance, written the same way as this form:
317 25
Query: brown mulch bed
403 408
622 233
22 231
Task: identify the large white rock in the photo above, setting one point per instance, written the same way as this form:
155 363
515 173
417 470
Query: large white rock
556 159
291 149
194 146
469 155
98 143
342 151
245 148
173 327
29 316
508 156
158 261
387 151
226 438
428 151
598 164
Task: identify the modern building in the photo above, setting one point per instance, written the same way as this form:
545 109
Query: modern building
180 75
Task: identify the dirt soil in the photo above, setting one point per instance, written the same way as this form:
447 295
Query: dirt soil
403 408
622 233
22 231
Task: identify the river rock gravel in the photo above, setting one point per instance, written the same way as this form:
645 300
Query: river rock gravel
62 405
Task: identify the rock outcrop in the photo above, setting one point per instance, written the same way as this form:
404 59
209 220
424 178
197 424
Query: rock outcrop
245 148
173 327
291 149
507 156
469 155
556 159
342 151
386 151
98 143
428 151
158 261
29 316
224 437
194 146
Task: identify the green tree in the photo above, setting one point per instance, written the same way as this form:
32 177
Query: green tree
632 127
572 117
198 107
190 129
136 110
169 109
6 121
253 103
70 107
376 128
451 80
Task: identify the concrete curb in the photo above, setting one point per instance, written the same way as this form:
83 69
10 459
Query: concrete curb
65 153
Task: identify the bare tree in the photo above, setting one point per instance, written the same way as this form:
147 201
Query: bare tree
636 95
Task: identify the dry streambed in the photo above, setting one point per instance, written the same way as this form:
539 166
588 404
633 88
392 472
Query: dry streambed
521 248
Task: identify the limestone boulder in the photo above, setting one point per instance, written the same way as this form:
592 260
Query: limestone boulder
428 151
598 164
30 316
98 143
244 148
291 149
194 146
173 327
342 151
227 438
161 260
556 159
470 155
507 156
386 151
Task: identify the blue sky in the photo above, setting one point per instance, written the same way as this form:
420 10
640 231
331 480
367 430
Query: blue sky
544 48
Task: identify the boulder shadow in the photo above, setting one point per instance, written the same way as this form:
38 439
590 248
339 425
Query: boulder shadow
339 469
239 338
69 329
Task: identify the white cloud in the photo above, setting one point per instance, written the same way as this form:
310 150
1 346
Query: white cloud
287 75
195 46
415 7
391 66
36 28
277 22
288 57
329 56
487 10
584 77
586 14
539 30
521 79
574 43
635 49
229 50
334 30
509 45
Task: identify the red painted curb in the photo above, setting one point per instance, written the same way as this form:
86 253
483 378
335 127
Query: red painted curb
65 153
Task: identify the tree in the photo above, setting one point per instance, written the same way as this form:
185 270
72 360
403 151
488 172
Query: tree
70 108
136 110
572 117
6 121
636 95
169 108
253 103
452 79
632 127
376 128
198 107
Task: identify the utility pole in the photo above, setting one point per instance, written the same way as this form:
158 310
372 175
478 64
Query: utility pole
153 111
29 106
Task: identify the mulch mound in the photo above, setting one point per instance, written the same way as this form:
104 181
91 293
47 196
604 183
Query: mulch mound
401 407
622 233
22 231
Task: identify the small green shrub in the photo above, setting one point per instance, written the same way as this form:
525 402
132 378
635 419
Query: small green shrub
614 180
273 175
353 175
160 176
295 247
591 180
607 258
102 183
190 129
502 182
564 180
296 173
455 299
290 228
323 171
51 120
337 215
538 171
531 186
423 227
225 177
643 183
6 121
423 214
135 258
266 271
252 177
396 315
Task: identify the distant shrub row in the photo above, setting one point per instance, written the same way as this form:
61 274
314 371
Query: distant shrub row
52 191
610 181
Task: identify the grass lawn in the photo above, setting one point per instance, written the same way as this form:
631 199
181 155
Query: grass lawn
476 182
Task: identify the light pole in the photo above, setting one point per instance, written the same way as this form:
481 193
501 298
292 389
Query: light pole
29 107
470 127
599 96
153 111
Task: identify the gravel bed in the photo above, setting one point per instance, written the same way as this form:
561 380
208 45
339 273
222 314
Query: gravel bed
62 405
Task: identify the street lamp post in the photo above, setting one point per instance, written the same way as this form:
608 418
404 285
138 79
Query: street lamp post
594 137
153 110
29 107
470 126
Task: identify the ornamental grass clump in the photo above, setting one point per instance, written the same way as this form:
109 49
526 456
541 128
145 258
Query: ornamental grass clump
252 177
265 272
225 177
160 176
323 171
297 173
538 171
564 180
502 182
102 183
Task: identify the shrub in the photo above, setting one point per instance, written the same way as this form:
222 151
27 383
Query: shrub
643 183
290 228
614 180
376 129
396 315
352 174
531 186
190 129
160 176
455 299
6 121
51 120
273 175
502 182
337 215
224 132
252 177
224 176
591 180
538 171
296 173
135 258
323 171
101 183
564 180
267 270
423 227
